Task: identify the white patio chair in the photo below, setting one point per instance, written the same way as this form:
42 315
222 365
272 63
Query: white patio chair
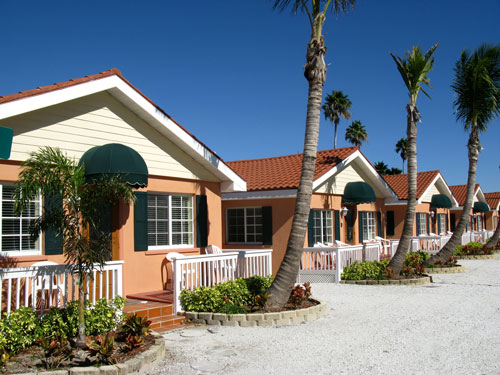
186 272
385 245
226 266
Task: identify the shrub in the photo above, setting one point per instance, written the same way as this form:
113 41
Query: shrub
365 270
299 294
472 248
458 251
19 330
449 263
136 326
231 297
102 348
414 264
55 351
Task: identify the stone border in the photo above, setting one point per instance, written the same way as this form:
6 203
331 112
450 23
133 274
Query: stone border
455 269
276 319
420 281
477 257
143 360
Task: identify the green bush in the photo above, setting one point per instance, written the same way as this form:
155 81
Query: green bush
365 270
230 297
472 248
104 316
458 251
19 330
414 264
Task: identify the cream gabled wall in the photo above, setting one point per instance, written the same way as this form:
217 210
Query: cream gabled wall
80 124
433 190
337 183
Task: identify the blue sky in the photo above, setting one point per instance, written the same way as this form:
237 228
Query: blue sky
231 72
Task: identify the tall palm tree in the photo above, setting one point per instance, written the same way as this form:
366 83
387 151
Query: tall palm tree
315 73
401 148
336 105
496 235
413 69
381 168
477 102
356 133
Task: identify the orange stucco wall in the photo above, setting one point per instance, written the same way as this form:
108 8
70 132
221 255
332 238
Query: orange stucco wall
282 216
143 271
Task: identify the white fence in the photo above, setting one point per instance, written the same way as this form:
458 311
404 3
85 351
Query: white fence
326 264
190 272
45 286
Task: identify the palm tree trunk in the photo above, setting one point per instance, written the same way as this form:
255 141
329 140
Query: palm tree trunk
315 73
335 136
80 342
447 251
494 239
397 260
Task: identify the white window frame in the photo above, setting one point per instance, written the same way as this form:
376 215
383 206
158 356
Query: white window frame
423 224
170 246
479 223
245 226
369 226
441 223
19 253
325 230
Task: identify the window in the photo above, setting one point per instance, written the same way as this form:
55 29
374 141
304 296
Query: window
244 225
368 226
323 226
170 220
441 220
421 224
479 223
15 230
468 226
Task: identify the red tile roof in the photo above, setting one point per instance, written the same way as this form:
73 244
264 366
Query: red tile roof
399 183
283 172
493 199
93 77
460 191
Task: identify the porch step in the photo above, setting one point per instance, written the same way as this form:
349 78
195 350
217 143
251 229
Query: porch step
160 314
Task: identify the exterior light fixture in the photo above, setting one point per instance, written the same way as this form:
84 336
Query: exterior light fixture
432 213
344 211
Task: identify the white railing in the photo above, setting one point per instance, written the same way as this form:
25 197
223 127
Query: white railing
326 264
43 287
190 272
466 238
481 236
429 244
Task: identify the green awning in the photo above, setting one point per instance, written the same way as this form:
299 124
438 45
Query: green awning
480 207
112 159
6 135
440 201
358 192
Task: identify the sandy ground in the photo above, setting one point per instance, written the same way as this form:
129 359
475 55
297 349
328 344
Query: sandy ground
449 327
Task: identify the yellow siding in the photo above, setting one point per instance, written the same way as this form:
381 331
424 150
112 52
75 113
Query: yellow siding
95 120
428 197
337 183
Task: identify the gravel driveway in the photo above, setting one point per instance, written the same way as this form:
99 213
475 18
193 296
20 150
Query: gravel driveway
449 327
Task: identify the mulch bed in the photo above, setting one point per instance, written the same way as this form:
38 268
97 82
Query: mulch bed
30 359
289 306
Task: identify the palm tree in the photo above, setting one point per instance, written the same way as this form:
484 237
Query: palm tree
315 73
59 177
401 147
336 105
413 69
477 102
356 133
381 168
494 239
394 170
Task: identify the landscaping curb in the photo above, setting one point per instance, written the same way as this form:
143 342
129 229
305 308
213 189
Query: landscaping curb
420 281
132 366
457 269
276 319
478 257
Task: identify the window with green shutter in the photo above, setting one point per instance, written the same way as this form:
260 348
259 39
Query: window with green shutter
389 223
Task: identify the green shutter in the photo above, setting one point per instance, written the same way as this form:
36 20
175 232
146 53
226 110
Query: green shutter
141 221
53 240
337 225
201 221
452 222
427 218
390 223
417 219
310 229
360 226
267 225
379 224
